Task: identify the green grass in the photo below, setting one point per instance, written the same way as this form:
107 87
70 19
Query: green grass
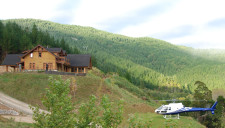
159 122
8 123
26 87
29 87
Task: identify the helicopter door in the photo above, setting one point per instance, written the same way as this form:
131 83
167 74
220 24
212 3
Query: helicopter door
164 109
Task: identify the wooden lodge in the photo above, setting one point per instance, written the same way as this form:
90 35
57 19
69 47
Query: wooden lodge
51 59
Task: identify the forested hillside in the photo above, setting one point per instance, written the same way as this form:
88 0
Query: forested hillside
146 62
14 39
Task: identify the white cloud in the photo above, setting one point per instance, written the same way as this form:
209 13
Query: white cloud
203 38
94 12
39 9
194 13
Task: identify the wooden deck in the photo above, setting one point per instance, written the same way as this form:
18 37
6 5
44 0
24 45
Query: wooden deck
65 73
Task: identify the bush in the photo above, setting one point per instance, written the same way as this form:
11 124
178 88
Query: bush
61 109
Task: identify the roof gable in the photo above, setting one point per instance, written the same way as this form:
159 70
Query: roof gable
36 48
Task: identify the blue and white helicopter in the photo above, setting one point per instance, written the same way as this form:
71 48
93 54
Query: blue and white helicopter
177 108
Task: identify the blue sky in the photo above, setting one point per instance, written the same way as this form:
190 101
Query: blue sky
194 23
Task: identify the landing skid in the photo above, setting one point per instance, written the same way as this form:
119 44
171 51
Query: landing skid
176 116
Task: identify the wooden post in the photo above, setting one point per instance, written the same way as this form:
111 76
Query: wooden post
6 68
62 67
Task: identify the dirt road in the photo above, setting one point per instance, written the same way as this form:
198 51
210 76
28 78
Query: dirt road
19 106
15 104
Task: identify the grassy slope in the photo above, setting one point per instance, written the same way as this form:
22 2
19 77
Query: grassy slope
29 86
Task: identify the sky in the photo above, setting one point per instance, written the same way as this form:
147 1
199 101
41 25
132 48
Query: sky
192 23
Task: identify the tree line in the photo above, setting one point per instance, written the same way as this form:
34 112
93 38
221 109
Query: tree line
202 97
14 39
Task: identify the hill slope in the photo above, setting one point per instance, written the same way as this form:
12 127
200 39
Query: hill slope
23 86
144 61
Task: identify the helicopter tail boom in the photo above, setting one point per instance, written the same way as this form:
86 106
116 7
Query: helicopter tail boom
213 107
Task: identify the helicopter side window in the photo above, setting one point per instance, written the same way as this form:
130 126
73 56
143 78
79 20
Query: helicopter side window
166 108
169 108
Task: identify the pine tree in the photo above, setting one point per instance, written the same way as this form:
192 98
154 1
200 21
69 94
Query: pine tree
34 34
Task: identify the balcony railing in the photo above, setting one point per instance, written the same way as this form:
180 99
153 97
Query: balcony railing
63 60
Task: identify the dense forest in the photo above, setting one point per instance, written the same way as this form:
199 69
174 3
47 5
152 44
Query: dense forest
13 39
146 62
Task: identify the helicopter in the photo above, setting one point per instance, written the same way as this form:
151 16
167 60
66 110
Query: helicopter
177 108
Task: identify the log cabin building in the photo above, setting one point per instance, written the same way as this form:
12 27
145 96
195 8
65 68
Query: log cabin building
53 59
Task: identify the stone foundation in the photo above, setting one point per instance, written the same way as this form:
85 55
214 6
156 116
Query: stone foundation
10 69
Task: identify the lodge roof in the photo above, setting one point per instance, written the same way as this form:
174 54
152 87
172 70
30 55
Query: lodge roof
79 60
34 49
12 59
76 60
54 49
64 52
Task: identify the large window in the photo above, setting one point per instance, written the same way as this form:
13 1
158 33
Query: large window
50 66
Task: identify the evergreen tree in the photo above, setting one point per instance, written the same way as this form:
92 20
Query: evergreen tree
34 34
1 31
203 97
63 43
15 40
25 43
202 94
6 42
217 120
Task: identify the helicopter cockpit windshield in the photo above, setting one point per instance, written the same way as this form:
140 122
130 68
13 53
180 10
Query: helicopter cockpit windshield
162 109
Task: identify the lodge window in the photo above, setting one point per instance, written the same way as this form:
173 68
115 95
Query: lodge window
81 70
49 65
39 54
75 69
32 65
44 66
31 54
